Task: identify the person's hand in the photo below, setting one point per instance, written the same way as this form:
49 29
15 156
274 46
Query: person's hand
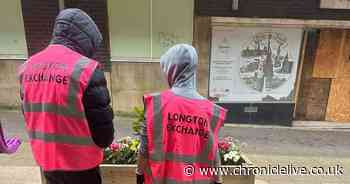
12 145
140 179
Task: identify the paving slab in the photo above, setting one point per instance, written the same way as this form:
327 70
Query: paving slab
300 161
23 157
20 175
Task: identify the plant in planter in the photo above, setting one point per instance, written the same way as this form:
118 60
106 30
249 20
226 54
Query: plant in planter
230 151
121 156
139 118
123 151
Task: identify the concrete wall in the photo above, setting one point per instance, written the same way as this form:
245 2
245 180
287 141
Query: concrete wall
9 85
129 81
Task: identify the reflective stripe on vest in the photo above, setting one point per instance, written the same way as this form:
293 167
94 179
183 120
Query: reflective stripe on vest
69 110
64 139
159 155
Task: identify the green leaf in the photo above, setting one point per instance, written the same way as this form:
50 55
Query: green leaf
139 118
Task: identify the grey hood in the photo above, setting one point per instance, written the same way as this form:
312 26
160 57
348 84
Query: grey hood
179 64
76 30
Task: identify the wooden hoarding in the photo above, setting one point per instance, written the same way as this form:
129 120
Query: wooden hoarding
339 101
328 54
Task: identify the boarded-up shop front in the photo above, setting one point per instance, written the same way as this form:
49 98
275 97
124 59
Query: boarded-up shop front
273 62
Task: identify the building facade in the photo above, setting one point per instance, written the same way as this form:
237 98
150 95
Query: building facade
266 61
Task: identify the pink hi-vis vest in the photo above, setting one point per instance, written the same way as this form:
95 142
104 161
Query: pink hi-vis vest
53 82
182 137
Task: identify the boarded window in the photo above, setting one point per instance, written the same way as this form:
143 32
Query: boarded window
13 43
144 30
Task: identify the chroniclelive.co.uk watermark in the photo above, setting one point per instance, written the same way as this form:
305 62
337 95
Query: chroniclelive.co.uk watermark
268 170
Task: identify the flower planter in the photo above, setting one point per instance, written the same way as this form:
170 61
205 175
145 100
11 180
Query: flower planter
125 174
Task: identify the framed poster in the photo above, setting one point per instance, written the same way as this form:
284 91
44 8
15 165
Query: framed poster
254 64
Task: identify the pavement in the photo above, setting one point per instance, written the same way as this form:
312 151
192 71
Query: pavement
305 144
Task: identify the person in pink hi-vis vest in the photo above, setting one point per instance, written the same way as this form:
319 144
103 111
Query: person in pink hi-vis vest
66 103
180 132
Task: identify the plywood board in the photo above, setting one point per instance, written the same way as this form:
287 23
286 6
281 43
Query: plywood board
306 77
317 99
339 101
344 66
328 54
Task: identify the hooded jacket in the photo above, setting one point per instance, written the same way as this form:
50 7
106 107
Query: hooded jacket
179 65
74 29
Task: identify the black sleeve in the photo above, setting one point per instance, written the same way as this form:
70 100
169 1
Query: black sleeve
98 111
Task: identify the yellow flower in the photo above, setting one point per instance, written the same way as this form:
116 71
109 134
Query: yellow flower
134 145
